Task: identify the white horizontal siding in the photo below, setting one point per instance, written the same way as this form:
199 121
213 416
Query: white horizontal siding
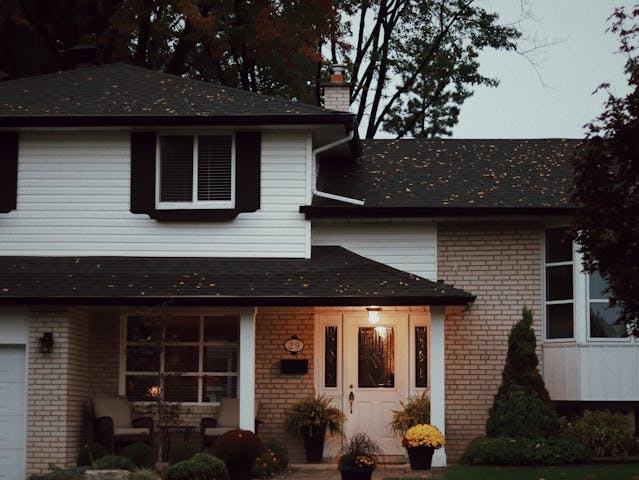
592 372
406 246
74 199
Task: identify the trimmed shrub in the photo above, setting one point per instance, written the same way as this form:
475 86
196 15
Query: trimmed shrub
520 413
140 454
237 445
201 467
113 462
72 473
181 451
90 453
604 432
524 451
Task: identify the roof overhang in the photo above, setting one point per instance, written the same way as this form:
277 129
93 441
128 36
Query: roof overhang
430 212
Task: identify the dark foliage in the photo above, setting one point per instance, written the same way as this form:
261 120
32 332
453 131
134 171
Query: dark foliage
280 451
604 432
113 462
524 451
140 454
606 184
236 445
200 467
181 451
90 452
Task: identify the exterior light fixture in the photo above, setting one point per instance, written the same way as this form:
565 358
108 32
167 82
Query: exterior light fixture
45 342
373 313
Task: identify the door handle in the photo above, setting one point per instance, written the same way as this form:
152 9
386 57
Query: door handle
351 399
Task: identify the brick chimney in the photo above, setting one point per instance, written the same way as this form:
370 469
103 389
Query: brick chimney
337 93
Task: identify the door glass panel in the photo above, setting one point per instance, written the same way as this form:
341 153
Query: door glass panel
330 357
420 358
376 357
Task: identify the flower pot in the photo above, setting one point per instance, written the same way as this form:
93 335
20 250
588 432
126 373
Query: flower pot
240 470
314 445
420 457
356 474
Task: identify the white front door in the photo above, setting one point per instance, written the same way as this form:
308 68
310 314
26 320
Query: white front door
374 376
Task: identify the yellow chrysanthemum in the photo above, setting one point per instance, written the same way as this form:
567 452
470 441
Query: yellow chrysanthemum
423 435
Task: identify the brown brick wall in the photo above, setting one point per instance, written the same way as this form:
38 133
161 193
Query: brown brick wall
275 391
501 266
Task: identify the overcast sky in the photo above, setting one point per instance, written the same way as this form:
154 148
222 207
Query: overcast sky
581 57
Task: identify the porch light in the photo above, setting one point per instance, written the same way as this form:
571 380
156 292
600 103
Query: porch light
45 343
373 313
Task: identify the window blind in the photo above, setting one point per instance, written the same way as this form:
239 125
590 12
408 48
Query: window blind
176 169
214 170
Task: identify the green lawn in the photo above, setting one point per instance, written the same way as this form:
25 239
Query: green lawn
573 472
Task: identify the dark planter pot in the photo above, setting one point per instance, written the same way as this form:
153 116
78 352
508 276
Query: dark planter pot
240 470
314 445
356 474
420 458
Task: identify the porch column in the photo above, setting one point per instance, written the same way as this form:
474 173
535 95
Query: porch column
437 379
246 387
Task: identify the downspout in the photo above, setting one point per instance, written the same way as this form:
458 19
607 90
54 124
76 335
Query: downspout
330 196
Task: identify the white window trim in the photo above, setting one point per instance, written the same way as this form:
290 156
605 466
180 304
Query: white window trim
194 203
200 344
580 300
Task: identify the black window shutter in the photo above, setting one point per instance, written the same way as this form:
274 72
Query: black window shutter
142 172
8 171
248 149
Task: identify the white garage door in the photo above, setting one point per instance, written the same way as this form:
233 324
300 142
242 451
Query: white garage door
12 412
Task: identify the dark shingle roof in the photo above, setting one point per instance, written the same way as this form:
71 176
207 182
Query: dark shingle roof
453 175
119 93
333 276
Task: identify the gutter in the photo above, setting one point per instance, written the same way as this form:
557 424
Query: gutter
331 196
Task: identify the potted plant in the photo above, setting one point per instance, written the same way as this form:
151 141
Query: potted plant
420 442
239 449
359 458
413 412
311 418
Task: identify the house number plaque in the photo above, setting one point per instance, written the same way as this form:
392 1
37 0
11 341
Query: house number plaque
294 345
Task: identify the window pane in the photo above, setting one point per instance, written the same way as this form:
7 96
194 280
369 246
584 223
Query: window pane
597 286
142 328
376 357
181 359
421 358
176 169
220 358
178 388
559 321
217 388
558 245
214 167
142 388
559 283
182 328
330 356
603 321
144 358
222 328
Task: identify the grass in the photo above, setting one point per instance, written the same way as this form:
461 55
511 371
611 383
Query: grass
572 472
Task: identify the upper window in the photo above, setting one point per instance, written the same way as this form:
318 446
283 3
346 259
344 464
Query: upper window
559 287
567 286
187 358
196 171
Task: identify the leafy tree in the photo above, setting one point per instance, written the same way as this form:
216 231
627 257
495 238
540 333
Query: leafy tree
414 62
522 406
606 184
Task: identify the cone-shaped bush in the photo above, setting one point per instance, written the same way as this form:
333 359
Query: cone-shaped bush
522 406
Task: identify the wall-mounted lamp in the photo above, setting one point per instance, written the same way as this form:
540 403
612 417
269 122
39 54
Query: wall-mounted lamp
373 313
45 342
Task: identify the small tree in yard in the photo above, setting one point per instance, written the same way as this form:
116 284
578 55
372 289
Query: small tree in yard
522 406
606 184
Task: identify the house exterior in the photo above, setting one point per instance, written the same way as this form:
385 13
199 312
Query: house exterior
137 205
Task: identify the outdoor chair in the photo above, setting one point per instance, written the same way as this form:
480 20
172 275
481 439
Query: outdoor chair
228 418
113 424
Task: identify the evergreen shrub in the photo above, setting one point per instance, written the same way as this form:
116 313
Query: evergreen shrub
201 466
525 451
113 462
140 454
604 432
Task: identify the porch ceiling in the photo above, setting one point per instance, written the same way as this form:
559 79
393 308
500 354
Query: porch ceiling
333 276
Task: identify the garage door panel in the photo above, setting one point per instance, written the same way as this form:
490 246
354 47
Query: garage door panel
11 364
12 412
